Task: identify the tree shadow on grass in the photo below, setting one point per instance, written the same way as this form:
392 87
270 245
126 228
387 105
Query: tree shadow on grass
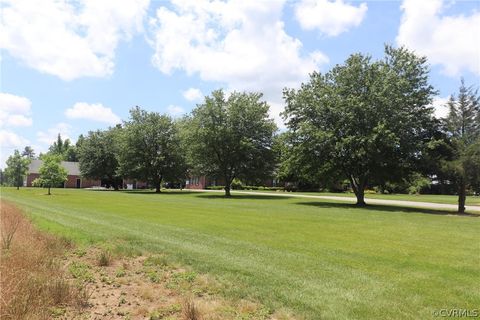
238 196
152 192
390 208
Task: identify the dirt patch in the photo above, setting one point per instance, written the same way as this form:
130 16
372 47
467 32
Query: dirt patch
148 287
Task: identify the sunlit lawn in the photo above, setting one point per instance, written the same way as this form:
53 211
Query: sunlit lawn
319 258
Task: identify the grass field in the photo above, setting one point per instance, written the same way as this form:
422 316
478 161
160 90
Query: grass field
434 198
322 259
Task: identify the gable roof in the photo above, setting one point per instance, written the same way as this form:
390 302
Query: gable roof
73 168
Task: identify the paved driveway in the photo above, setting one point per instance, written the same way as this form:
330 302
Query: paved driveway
415 204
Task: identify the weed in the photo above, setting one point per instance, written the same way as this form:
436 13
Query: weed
10 222
121 272
156 260
164 312
189 310
104 258
81 271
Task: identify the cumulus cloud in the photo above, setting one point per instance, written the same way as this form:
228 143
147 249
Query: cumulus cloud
329 17
50 135
9 141
440 106
447 40
94 112
69 39
14 111
193 94
239 44
175 110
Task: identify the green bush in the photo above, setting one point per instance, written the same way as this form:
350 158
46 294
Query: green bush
237 184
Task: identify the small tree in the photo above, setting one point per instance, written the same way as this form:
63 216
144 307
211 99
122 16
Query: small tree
231 137
52 173
28 152
463 129
17 168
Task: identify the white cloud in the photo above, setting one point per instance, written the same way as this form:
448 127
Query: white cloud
450 41
329 17
94 112
440 106
9 141
69 39
50 135
175 110
240 44
193 94
14 111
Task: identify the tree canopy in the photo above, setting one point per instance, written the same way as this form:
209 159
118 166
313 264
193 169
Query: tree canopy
364 120
63 148
231 137
17 168
51 173
462 126
150 148
98 153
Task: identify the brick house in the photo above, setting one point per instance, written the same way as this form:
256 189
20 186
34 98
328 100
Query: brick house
74 179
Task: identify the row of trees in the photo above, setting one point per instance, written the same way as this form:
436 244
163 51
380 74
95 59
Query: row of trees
365 121
224 137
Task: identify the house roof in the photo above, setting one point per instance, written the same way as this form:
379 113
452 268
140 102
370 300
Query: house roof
73 168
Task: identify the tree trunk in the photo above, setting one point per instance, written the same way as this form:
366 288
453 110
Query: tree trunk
462 196
358 186
227 191
18 187
115 185
157 187
228 185
360 194
49 191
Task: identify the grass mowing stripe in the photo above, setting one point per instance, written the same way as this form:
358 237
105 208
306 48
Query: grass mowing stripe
320 258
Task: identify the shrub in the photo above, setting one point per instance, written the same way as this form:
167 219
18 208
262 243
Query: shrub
237 184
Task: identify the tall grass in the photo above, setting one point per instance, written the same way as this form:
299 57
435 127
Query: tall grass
32 281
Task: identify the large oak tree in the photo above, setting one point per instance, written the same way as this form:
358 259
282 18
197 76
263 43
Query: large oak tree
364 120
151 149
231 137
98 155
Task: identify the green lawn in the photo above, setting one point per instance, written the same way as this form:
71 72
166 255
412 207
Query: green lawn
322 259
434 198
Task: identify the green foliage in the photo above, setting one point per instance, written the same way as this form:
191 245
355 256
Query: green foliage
418 183
28 152
98 155
230 137
17 168
64 149
52 173
462 127
366 121
151 149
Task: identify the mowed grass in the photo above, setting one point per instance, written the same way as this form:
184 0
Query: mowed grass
322 259
433 198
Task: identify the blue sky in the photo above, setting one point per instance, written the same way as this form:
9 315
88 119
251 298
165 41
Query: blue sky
70 67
